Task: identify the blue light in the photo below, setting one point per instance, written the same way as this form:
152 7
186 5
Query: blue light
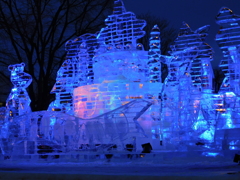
210 154
106 85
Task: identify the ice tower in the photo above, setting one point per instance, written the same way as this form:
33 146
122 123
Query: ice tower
154 54
228 39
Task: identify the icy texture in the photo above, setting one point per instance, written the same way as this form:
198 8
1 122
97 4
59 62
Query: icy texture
154 54
122 30
18 100
121 72
187 105
17 104
119 56
110 95
75 71
228 39
47 132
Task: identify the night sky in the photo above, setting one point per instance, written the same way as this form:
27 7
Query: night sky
196 13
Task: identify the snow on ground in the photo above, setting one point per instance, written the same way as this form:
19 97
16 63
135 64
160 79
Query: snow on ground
171 165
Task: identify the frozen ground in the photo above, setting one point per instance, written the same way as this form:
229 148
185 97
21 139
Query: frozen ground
152 166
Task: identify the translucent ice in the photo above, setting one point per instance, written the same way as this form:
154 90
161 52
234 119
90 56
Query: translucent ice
17 104
18 101
47 132
109 93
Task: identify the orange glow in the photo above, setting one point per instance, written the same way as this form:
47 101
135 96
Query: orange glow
221 110
138 97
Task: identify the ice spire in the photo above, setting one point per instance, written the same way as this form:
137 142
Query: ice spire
122 29
229 42
154 55
119 7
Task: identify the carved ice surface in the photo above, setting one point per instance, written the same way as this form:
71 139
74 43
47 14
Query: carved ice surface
187 106
228 39
110 95
18 101
75 71
43 131
17 104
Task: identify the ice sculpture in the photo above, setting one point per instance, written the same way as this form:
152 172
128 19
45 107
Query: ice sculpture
186 88
228 124
18 101
228 40
119 53
47 133
17 104
109 93
75 71
108 70
155 55
121 72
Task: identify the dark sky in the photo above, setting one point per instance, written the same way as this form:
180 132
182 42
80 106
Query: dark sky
196 13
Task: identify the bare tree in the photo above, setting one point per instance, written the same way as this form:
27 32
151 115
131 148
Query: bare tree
35 31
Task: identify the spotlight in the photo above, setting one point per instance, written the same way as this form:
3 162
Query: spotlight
146 148
236 158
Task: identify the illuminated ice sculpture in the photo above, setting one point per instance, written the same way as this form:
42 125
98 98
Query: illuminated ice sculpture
122 73
75 71
109 93
228 39
18 103
186 89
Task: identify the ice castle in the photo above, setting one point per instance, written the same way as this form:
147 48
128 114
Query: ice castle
110 96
